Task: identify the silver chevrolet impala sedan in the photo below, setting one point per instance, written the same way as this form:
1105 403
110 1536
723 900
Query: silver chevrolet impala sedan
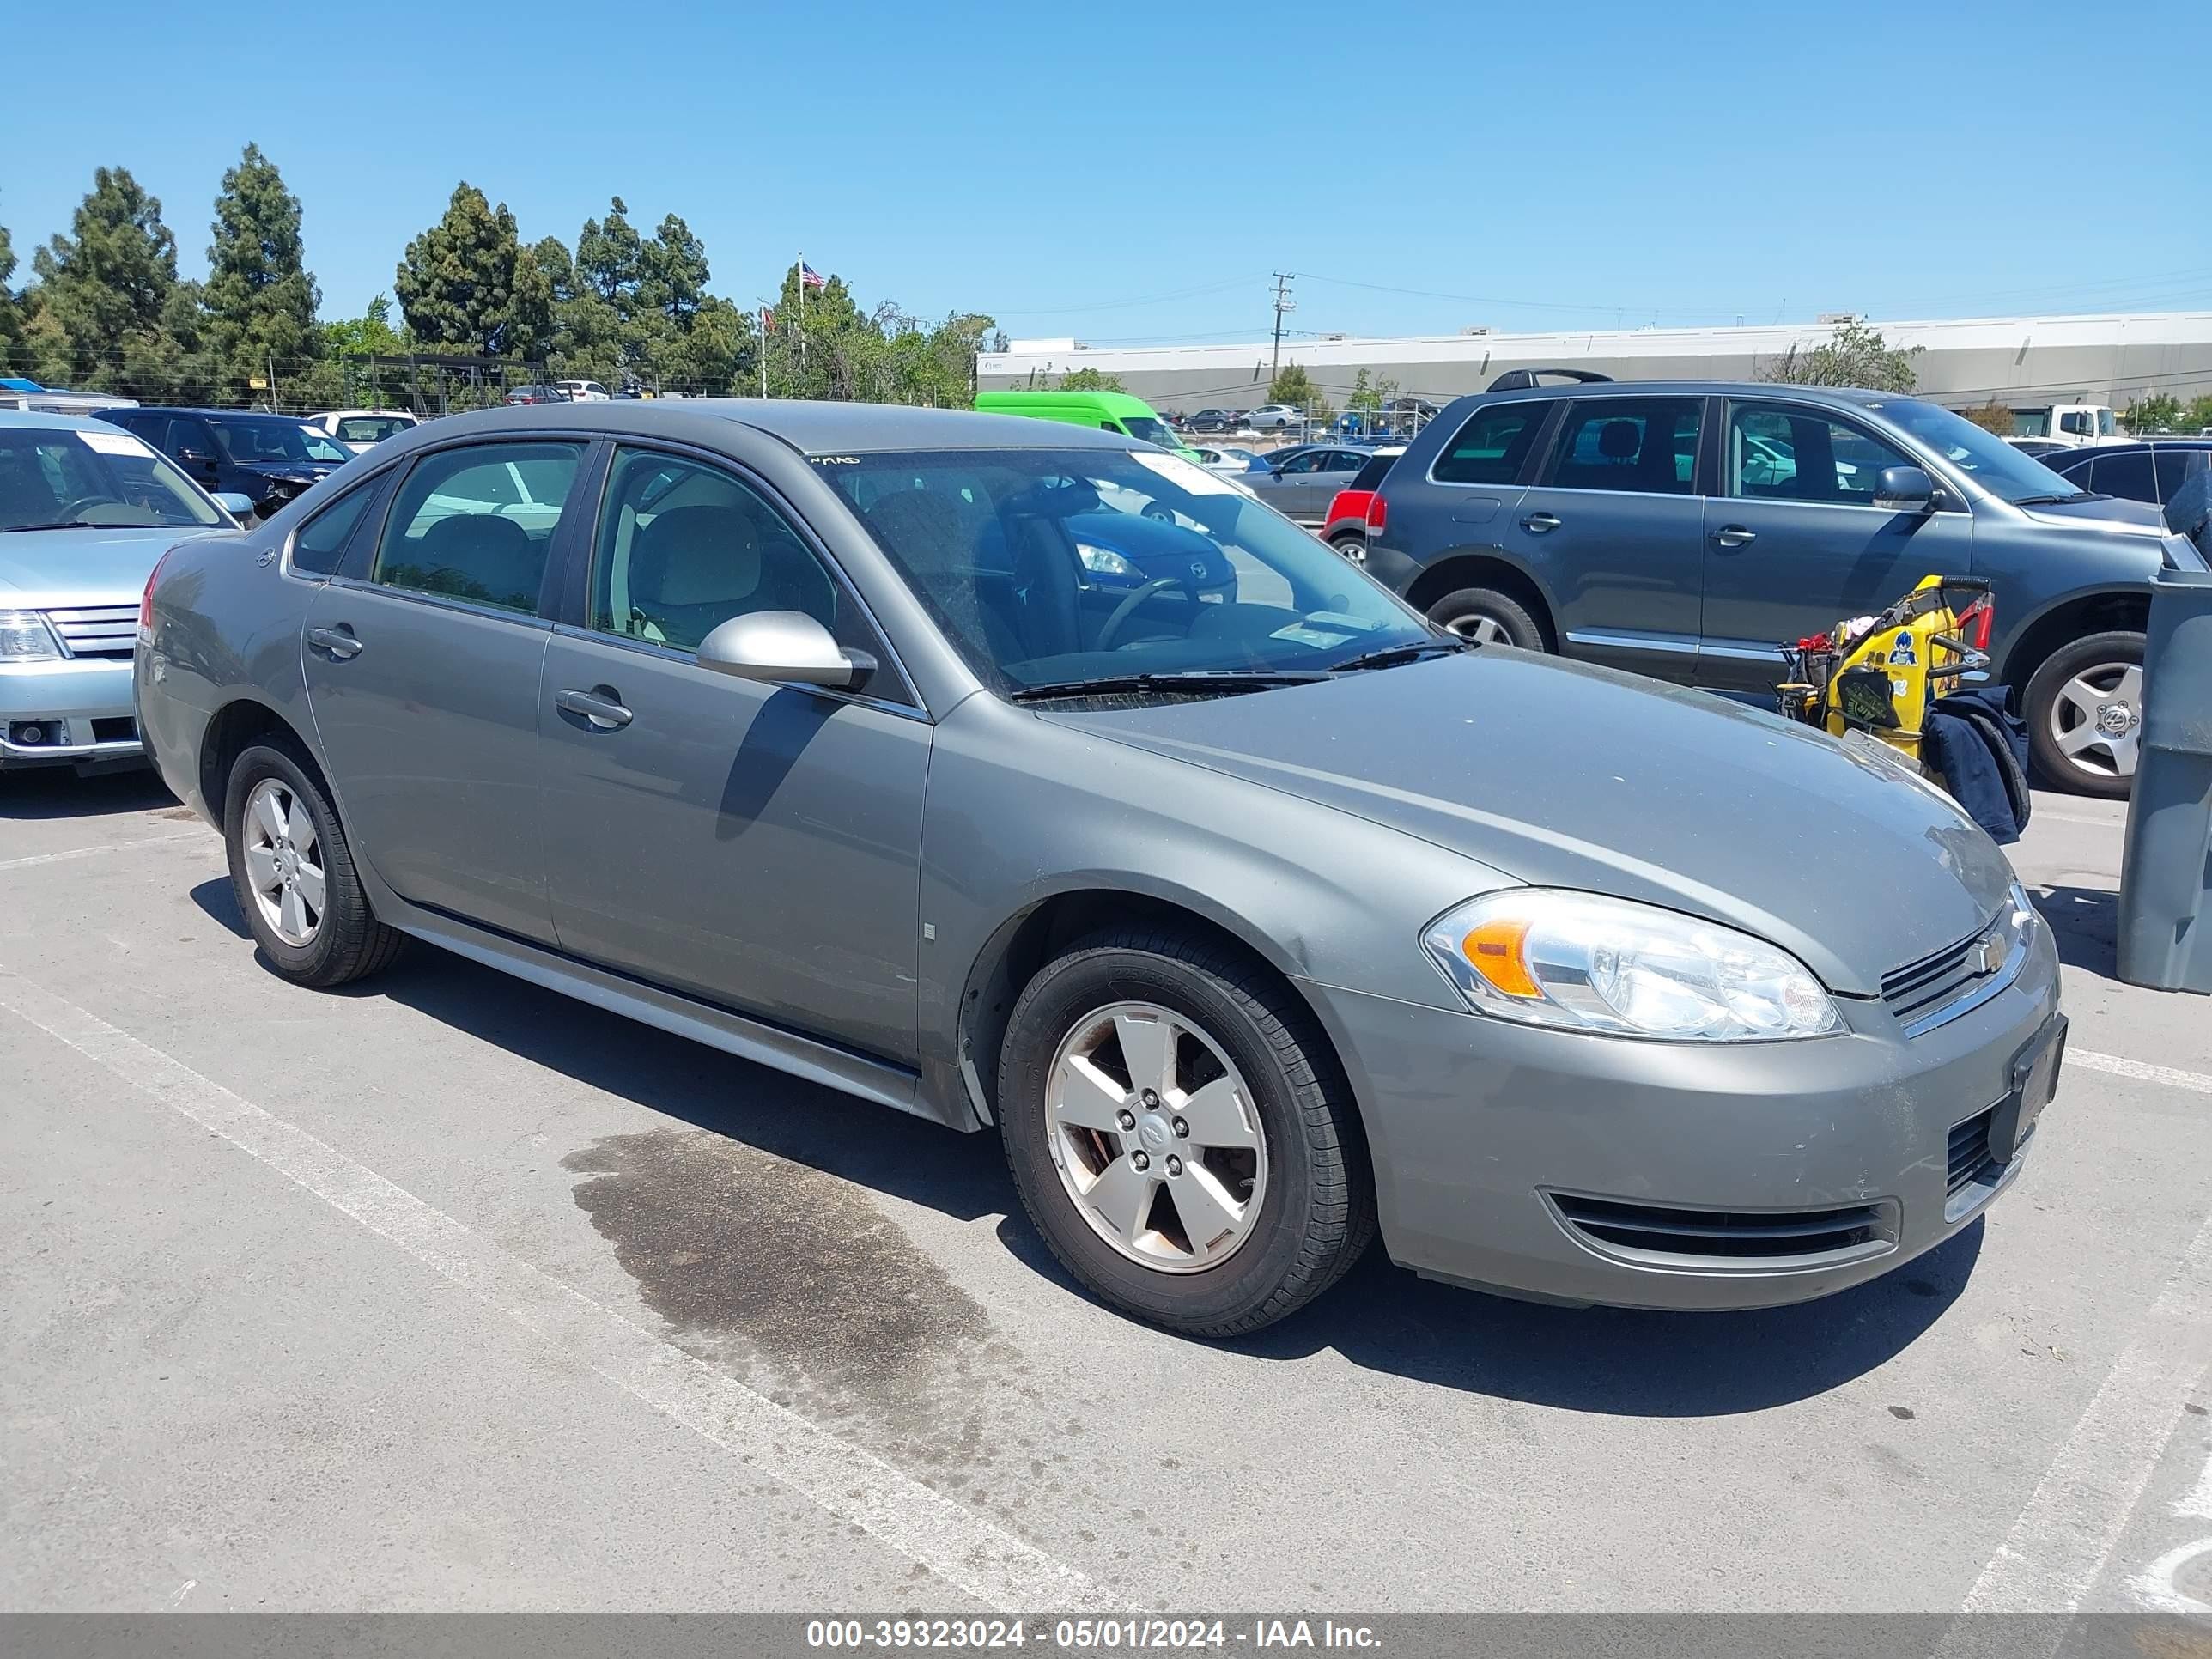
906 751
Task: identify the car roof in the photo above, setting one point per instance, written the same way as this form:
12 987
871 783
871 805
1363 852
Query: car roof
1597 390
31 417
212 414
811 429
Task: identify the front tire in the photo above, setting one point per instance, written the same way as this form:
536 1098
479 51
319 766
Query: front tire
293 873
1181 1134
2084 711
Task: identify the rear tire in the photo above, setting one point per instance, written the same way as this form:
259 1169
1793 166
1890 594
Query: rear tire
1270 1127
2073 702
318 933
1485 615
1352 545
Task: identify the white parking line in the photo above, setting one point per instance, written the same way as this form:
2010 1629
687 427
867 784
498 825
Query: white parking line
851 1483
105 847
2076 1514
2141 1070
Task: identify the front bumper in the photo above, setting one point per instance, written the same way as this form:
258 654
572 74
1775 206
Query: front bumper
89 696
1495 1144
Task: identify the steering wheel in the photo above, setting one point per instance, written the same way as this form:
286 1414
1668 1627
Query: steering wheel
1129 607
85 503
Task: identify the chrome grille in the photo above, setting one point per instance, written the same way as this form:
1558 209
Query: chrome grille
1921 993
100 630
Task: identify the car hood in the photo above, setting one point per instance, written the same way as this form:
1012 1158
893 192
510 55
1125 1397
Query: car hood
2113 511
1564 774
43 568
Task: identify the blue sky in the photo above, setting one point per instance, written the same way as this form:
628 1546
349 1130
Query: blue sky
1134 172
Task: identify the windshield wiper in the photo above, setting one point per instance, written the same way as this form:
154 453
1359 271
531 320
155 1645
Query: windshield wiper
2059 500
59 524
1202 679
1393 656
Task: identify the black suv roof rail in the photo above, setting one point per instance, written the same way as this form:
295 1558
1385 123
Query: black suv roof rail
1526 379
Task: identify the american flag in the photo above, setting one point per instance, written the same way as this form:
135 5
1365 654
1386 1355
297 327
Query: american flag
809 276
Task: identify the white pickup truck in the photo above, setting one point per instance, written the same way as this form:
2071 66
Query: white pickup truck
2073 424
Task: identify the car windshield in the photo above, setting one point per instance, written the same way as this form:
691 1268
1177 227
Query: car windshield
1056 567
52 478
2001 468
370 429
1151 431
249 441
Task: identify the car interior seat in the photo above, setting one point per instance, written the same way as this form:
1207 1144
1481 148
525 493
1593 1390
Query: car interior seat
482 556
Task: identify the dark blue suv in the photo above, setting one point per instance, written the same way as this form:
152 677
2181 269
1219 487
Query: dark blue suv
267 459
1685 529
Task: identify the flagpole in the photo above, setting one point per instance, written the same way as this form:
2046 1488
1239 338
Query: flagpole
799 271
763 352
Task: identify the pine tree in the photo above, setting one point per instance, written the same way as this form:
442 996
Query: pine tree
464 282
261 301
103 290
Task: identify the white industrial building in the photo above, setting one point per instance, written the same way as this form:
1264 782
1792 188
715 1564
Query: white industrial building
2113 360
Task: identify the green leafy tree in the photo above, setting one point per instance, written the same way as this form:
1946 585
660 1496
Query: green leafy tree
370 332
1294 386
464 285
102 291
260 299
11 308
1991 417
2161 413
1854 355
1091 379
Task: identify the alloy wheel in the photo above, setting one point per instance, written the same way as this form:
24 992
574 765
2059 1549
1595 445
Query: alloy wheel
1155 1139
1482 629
283 862
2096 718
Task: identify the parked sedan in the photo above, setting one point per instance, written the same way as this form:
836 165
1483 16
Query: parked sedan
1300 482
1275 418
1216 420
1251 923
85 510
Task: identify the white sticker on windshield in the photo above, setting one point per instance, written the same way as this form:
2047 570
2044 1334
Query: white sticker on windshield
114 443
1183 474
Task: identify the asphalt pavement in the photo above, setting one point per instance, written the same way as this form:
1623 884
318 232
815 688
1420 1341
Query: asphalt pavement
447 1292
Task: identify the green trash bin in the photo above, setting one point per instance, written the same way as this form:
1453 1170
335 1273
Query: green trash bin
2165 875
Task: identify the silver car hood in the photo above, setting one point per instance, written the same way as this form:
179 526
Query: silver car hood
1568 775
43 570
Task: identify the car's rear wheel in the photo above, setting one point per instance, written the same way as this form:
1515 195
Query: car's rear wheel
1351 544
1488 617
293 874
2084 711
1181 1135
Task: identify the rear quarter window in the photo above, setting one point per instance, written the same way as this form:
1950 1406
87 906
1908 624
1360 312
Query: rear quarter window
1490 446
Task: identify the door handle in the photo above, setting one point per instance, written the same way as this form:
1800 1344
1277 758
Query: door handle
1537 523
604 711
338 642
1734 535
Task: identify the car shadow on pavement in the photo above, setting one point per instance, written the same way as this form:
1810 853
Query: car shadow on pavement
1618 1361
1622 1361
2085 924
853 1139
57 791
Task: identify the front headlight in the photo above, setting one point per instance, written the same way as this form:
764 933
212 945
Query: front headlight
1589 963
1104 561
24 637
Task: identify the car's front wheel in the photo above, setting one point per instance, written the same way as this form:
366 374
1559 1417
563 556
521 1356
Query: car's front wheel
294 876
2084 710
1181 1135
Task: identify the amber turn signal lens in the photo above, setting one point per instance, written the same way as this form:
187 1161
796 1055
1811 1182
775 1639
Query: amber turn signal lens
1493 950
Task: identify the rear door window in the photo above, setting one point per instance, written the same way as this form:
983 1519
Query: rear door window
1648 445
1492 445
2176 465
2128 477
475 523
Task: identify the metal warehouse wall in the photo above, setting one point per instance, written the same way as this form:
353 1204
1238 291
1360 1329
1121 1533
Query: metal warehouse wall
2106 358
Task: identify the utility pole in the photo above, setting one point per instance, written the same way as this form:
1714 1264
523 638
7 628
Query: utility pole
1283 303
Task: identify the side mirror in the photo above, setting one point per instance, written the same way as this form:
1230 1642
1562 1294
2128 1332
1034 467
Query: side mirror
231 501
195 457
1904 489
786 646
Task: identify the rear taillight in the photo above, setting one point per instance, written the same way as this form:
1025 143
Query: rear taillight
1978 621
1378 514
146 601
